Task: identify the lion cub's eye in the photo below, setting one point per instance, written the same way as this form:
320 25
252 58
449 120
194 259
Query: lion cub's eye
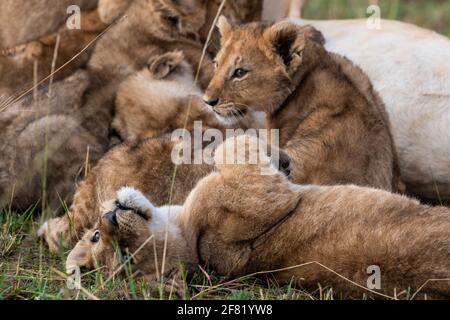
96 237
239 73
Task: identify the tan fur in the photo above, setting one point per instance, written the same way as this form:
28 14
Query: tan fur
22 21
123 50
144 41
17 64
110 10
146 165
149 103
281 9
45 147
89 254
331 121
132 231
239 11
161 98
147 30
237 221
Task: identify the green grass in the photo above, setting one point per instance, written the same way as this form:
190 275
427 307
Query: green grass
431 14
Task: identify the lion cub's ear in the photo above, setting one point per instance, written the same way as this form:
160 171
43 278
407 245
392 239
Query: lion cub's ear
224 26
161 66
288 41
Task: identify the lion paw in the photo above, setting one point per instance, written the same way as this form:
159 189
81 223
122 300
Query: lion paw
54 233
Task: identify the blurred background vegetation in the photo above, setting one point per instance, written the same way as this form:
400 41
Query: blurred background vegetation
431 14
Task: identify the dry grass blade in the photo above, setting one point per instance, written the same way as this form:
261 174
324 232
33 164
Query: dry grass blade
208 277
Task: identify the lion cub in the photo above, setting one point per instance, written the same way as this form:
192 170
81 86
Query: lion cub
159 99
148 28
332 123
44 145
150 103
238 222
17 65
164 97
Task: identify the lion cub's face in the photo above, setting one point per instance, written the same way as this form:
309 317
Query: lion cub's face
255 68
119 232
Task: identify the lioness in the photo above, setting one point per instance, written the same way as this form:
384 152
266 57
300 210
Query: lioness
238 222
332 123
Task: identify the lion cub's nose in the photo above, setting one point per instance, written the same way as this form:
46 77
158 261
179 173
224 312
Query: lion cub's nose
211 102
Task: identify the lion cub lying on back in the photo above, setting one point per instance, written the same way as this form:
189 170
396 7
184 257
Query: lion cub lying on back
238 222
332 124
